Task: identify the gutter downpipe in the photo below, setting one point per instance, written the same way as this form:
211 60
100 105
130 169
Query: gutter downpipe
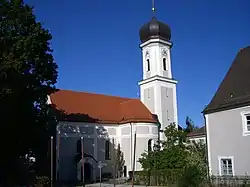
159 133
131 145
208 170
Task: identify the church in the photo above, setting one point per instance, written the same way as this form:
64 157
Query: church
101 122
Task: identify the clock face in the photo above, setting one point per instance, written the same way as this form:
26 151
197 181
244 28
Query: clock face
164 52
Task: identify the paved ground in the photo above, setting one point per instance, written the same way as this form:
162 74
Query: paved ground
111 185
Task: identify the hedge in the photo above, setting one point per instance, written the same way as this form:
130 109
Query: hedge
158 178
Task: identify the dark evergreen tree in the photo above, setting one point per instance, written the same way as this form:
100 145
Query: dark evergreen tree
119 161
190 127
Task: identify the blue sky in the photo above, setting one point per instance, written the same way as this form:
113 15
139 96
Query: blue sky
96 44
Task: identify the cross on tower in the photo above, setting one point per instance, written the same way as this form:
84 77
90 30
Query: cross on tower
153 6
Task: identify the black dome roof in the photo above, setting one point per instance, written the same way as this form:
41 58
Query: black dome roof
155 29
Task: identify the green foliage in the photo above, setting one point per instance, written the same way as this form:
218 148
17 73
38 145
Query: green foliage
146 160
198 153
192 176
119 161
43 180
172 156
28 74
163 177
175 137
177 153
190 127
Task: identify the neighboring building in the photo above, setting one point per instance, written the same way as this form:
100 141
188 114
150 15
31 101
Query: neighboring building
227 119
198 135
100 118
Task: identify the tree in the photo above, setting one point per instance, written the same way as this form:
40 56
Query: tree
119 161
28 74
190 127
173 135
198 149
177 153
173 155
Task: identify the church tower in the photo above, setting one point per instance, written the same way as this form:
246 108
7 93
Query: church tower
158 88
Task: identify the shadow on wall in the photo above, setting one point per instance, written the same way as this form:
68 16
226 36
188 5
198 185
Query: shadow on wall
61 115
110 155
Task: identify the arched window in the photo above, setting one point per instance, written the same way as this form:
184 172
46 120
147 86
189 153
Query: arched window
79 146
149 145
167 92
164 64
148 65
107 150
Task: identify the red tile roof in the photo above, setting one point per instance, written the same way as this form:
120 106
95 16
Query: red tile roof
102 108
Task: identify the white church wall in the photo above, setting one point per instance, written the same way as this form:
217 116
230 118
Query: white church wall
126 140
155 50
163 101
169 100
150 54
149 101
95 137
164 52
145 57
144 132
147 94
165 105
67 164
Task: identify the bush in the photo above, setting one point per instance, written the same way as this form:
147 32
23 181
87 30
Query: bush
158 177
192 176
42 181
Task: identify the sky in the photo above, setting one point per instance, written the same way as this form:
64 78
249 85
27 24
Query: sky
96 45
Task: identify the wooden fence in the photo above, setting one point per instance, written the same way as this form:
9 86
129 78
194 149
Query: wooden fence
172 177
228 181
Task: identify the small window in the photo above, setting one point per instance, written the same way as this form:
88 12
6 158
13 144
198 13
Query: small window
168 115
107 150
164 64
246 123
149 145
148 65
148 93
226 166
125 171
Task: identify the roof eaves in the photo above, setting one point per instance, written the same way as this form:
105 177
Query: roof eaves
208 110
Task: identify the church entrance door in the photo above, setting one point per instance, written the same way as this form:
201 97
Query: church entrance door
87 173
